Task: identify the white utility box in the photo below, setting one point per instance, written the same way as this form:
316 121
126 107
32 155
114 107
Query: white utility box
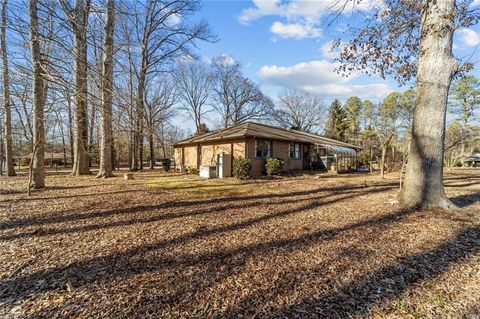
224 165
207 171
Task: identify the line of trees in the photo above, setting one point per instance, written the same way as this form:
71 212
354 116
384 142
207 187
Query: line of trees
92 79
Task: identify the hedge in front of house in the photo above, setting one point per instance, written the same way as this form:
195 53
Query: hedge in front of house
273 166
242 168
166 164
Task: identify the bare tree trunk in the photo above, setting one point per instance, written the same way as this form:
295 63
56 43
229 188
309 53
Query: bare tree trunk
137 153
105 166
6 95
424 177
152 149
1 148
78 18
382 162
38 150
70 122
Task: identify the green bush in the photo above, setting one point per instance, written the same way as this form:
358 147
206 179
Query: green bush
242 168
273 166
166 164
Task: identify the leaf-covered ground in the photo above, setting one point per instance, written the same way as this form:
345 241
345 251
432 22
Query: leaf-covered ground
170 246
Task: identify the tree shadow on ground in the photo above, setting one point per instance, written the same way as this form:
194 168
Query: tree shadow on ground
466 200
128 263
41 232
355 298
62 217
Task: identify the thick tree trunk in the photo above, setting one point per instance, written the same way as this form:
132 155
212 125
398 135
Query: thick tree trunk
424 178
105 167
6 95
38 149
80 152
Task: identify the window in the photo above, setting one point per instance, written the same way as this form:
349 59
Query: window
294 151
263 149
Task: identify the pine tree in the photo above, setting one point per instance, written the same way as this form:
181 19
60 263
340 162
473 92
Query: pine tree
336 124
352 110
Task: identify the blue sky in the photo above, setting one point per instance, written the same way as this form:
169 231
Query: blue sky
284 43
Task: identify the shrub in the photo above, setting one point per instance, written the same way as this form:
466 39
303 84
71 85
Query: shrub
273 166
166 164
242 168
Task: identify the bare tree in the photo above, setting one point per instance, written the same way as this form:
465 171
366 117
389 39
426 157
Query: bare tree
6 94
407 39
159 108
37 170
162 31
238 99
105 167
301 110
78 18
194 83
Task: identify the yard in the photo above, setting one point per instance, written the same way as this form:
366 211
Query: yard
173 246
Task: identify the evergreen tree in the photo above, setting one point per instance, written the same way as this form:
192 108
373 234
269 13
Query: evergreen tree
352 110
336 124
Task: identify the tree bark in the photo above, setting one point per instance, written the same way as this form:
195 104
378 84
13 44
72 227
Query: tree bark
78 20
105 166
1 149
152 150
424 177
38 150
6 95
382 162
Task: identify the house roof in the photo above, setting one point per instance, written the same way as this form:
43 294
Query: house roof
252 129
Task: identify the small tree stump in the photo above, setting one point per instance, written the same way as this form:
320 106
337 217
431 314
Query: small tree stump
128 176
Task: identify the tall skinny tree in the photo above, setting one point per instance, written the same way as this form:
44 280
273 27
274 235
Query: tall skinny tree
38 98
105 168
78 17
6 94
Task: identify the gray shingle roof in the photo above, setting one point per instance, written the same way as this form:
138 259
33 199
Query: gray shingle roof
251 129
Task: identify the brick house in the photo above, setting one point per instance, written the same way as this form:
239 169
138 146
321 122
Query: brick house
299 150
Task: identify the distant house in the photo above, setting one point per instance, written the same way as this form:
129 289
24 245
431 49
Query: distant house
473 160
299 150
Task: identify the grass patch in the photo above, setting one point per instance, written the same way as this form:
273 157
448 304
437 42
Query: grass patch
195 188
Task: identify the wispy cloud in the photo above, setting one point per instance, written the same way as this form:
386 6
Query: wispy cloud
469 37
320 77
295 30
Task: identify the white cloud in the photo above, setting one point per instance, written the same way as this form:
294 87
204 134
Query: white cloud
173 19
475 3
320 77
328 52
302 17
295 30
308 10
469 37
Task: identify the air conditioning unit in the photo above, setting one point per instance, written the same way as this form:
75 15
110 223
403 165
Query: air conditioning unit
207 171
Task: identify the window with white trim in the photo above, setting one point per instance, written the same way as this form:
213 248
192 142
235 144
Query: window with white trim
294 150
263 149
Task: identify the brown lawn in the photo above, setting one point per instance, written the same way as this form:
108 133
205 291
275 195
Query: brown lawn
170 246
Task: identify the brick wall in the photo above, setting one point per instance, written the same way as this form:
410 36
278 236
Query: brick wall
280 150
